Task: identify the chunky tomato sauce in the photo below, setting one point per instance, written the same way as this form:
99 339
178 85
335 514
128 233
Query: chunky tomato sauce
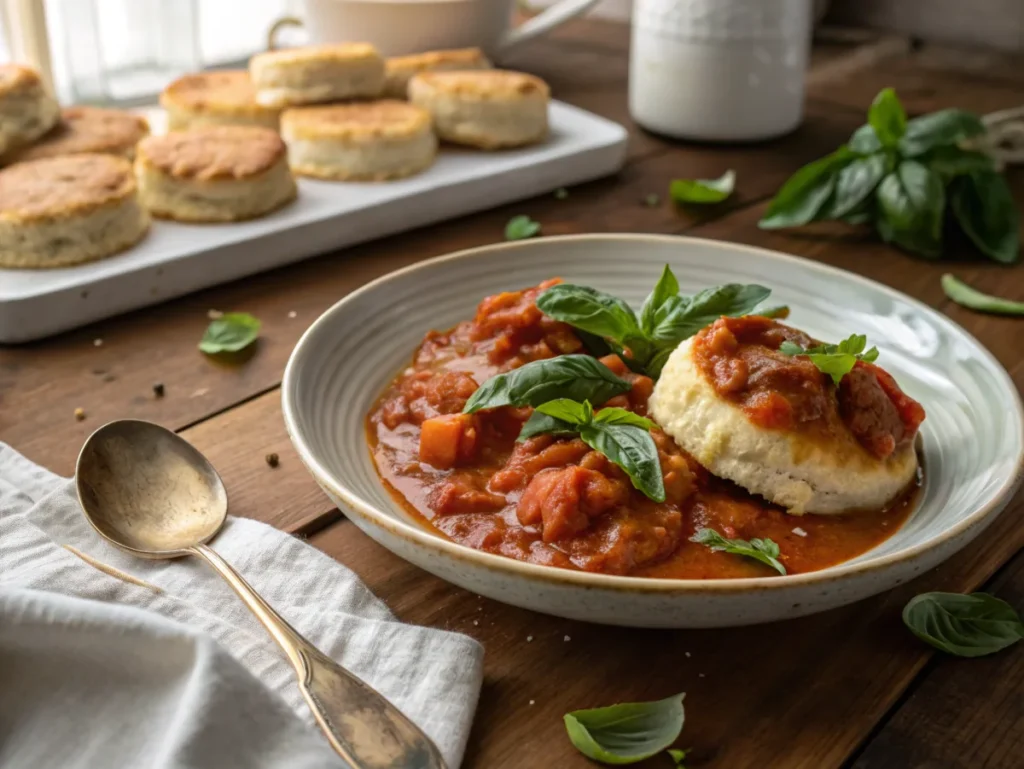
556 501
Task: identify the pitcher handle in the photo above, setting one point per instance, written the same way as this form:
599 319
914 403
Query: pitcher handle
283 23
546 20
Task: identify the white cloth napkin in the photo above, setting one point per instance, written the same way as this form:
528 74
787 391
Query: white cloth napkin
89 684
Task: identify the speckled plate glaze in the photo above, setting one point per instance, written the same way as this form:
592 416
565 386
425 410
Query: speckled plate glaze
973 438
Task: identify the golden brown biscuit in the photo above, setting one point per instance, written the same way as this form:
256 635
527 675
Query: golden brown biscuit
370 141
60 211
488 109
87 129
316 74
214 174
399 70
219 97
26 110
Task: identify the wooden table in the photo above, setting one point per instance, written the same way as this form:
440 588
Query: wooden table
850 688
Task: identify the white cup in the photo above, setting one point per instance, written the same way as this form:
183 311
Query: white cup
719 70
398 27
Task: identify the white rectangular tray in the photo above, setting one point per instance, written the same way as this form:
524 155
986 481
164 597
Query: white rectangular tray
175 259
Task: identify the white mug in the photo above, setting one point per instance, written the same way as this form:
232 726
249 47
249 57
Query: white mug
399 27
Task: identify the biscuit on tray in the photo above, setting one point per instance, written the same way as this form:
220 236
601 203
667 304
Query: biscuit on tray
317 74
26 110
399 70
87 129
214 174
488 109
61 211
218 97
363 141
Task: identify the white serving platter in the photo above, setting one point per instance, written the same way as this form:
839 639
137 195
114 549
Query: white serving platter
175 259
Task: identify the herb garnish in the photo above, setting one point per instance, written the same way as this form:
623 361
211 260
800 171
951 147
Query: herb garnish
577 377
521 227
621 435
906 177
963 625
678 756
764 550
666 317
230 332
973 299
626 733
836 360
702 190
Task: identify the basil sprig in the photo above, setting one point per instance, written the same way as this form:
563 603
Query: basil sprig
231 332
764 550
973 299
963 625
622 436
906 177
665 319
836 360
702 190
628 732
578 377
521 227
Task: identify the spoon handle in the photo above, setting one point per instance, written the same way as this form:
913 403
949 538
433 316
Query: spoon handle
362 727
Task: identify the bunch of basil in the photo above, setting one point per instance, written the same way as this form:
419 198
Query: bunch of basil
903 177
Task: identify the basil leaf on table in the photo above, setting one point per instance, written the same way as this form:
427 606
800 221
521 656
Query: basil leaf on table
985 210
973 299
578 377
864 141
887 117
951 162
703 190
764 550
628 732
806 192
688 315
231 332
911 201
945 128
678 756
521 227
855 183
963 625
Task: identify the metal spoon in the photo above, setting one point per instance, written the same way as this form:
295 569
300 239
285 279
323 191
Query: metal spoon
151 493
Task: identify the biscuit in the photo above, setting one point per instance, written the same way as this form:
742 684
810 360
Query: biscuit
26 110
214 174
316 74
399 70
87 129
365 141
219 97
488 109
61 211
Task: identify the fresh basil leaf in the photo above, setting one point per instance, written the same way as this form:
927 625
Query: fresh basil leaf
950 162
593 311
687 316
985 210
666 287
945 128
703 190
633 449
806 192
791 348
887 117
626 733
836 360
764 550
542 424
678 756
231 332
911 201
570 411
855 183
656 363
972 299
617 416
780 311
864 141
521 227
578 377
963 625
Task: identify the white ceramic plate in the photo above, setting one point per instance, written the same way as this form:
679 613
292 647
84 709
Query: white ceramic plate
973 438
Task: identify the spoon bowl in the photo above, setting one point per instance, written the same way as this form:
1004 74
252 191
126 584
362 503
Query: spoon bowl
149 491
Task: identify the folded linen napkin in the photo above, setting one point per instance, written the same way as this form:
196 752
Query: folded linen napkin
84 684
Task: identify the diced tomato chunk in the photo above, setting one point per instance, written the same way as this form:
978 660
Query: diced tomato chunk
564 501
448 440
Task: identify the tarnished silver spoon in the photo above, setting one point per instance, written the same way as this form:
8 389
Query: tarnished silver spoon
151 493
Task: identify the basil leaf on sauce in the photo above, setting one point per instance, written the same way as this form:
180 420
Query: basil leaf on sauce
702 190
617 416
542 424
963 625
780 311
764 550
570 411
836 360
688 315
231 332
593 311
973 299
666 288
626 733
578 377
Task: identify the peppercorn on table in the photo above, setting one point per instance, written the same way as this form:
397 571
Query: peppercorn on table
850 688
